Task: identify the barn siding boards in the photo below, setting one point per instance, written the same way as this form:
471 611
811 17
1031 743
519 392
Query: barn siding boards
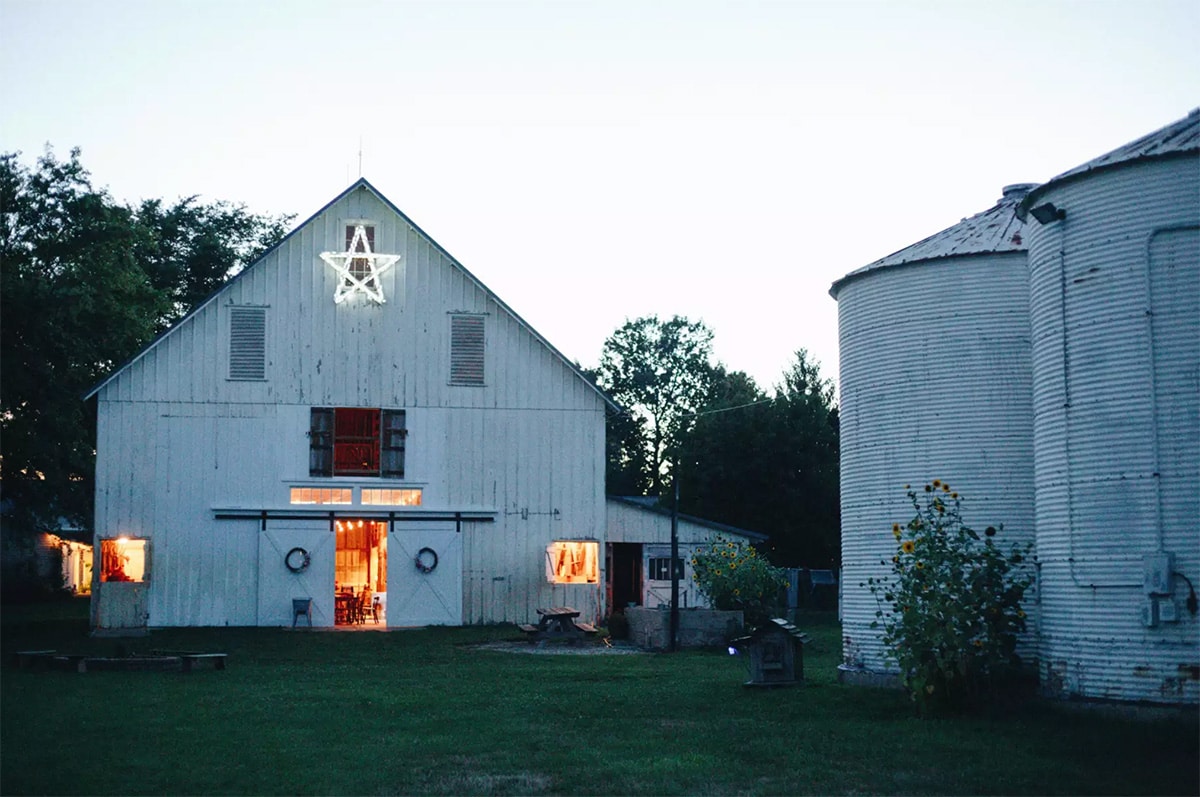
527 445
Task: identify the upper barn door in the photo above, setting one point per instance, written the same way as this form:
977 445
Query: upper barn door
283 575
424 574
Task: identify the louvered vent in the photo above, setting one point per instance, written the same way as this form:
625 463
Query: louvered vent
248 343
466 349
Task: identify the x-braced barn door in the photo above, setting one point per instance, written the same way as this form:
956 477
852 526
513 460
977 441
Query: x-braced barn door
424 574
295 562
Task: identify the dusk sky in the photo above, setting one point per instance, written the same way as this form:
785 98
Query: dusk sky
597 161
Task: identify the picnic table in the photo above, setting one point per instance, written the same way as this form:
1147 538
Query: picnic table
557 623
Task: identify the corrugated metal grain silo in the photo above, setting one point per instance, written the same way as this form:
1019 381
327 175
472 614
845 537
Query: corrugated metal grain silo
935 382
1114 262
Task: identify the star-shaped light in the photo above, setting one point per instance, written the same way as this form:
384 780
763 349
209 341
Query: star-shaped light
363 276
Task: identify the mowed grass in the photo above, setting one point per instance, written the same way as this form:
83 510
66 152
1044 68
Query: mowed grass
425 712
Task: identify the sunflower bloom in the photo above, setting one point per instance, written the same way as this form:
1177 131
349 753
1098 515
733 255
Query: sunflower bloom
908 546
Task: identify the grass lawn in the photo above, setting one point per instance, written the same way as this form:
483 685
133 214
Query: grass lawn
424 712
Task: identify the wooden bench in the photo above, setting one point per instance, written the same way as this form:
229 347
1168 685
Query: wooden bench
190 658
71 661
586 628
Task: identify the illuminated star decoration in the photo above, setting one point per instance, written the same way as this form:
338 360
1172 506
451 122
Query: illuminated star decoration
360 268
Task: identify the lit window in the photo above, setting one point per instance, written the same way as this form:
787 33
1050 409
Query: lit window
123 560
392 497
322 495
570 562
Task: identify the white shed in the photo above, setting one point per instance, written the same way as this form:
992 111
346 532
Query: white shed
354 411
638 554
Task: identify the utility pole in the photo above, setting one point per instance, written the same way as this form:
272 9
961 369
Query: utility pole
674 562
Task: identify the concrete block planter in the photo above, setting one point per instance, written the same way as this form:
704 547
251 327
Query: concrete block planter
650 629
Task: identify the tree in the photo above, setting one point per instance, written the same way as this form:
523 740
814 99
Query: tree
662 373
806 466
726 457
769 465
84 283
193 249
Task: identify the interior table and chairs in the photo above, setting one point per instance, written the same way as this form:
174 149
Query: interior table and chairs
360 572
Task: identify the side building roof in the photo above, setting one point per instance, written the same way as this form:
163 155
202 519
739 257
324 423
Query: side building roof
650 504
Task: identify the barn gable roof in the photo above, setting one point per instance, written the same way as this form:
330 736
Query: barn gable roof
361 183
995 230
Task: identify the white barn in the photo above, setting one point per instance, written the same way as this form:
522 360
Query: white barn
353 411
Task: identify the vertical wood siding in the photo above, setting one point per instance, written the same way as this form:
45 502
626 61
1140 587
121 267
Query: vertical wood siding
1115 308
935 382
176 438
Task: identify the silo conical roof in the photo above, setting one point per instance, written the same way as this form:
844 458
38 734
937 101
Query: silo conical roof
1178 138
995 230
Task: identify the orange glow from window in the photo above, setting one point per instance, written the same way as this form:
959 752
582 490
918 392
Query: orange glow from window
322 495
391 497
123 559
571 562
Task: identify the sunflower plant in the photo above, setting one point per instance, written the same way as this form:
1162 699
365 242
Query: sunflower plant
731 575
950 608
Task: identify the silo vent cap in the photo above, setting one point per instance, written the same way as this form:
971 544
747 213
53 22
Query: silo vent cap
1017 191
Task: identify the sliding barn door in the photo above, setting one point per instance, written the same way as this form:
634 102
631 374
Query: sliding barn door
418 595
278 584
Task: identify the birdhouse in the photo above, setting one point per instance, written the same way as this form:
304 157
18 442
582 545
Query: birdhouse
776 654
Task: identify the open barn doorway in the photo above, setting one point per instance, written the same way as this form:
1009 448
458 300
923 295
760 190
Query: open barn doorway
360 573
624 575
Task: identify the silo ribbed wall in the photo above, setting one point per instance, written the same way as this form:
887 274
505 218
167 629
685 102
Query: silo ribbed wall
1115 326
935 382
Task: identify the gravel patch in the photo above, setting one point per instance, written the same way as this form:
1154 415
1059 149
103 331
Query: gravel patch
590 648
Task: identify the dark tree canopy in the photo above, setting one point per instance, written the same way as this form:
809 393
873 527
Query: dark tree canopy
769 464
85 282
766 463
661 372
